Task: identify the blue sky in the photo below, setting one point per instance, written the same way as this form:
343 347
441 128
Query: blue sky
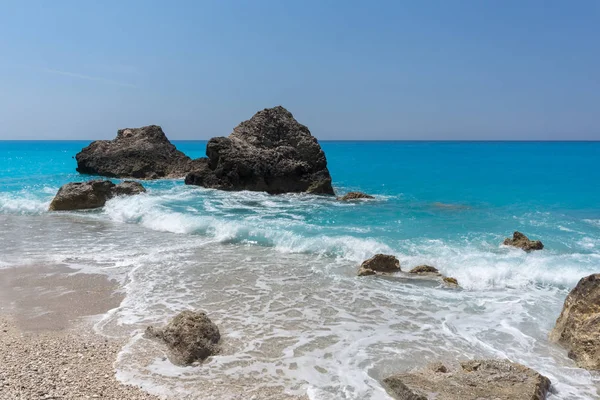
346 69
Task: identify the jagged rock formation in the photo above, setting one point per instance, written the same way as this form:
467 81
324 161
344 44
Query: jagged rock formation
271 152
142 153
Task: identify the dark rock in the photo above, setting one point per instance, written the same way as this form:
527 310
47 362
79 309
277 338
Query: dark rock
578 327
425 270
379 264
142 153
521 241
191 336
472 380
355 196
271 152
91 194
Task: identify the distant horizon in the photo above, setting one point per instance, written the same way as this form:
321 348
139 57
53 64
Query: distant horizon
434 71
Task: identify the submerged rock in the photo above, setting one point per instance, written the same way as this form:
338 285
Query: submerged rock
355 196
425 270
379 264
191 336
143 153
472 380
578 327
91 194
521 241
271 152
450 281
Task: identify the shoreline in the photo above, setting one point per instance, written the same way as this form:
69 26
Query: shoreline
48 347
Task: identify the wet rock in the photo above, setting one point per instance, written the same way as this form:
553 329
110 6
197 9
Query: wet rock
472 380
142 153
578 327
450 281
191 336
355 196
379 264
271 152
91 194
425 270
521 241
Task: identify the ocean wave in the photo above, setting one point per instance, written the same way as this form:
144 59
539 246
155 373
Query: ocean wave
23 203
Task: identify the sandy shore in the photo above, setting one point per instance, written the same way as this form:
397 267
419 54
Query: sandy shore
47 346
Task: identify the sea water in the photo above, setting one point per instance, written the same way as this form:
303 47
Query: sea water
278 273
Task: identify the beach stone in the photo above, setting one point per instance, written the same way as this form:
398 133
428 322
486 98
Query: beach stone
379 264
355 196
578 326
191 336
521 241
91 194
471 380
425 270
142 153
271 152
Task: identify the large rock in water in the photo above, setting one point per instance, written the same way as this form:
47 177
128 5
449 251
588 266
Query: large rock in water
91 194
473 380
271 152
521 241
191 336
578 327
142 153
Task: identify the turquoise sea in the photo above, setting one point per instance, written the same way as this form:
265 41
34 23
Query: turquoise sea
278 273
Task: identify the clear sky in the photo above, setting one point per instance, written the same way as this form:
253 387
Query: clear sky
346 69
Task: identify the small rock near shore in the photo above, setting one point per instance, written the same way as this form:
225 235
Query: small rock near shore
355 196
450 281
379 264
191 336
471 380
425 270
523 242
578 327
91 194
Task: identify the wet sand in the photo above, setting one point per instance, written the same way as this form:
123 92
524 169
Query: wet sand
48 349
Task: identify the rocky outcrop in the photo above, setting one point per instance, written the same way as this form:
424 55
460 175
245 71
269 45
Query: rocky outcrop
472 380
379 264
355 196
521 241
425 270
91 194
190 336
271 152
578 327
142 153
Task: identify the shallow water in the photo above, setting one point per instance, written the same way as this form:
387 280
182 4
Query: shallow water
277 273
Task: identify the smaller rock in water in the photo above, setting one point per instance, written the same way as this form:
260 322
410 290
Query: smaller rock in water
472 380
379 264
191 336
91 194
425 270
355 196
578 327
450 281
523 242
